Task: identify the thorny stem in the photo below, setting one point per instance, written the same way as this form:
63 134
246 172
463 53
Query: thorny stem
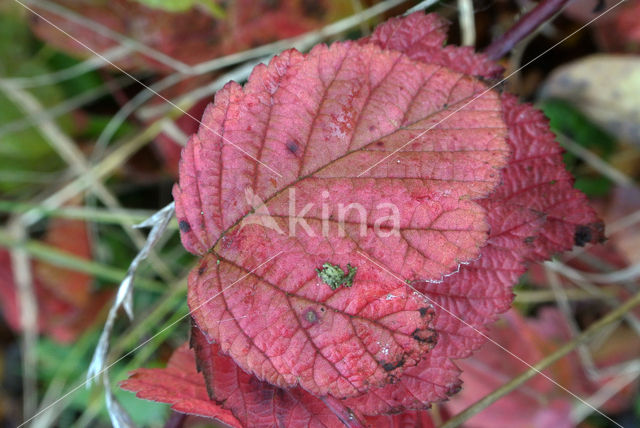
524 27
491 398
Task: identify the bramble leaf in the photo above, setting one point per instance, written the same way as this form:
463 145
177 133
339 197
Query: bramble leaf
322 120
477 180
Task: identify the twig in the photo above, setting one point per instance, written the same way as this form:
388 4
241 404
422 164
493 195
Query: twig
467 22
64 107
491 398
125 217
543 296
525 26
28 319
595 161
627 274
553 279
76 70
420 6
624 377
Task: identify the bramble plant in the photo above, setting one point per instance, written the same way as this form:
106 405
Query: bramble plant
396 117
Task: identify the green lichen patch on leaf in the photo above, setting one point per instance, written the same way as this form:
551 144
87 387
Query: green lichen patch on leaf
334 276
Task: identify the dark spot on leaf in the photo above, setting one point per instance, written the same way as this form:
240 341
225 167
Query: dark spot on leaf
201 270
380 143
184 226
529 239
392 366
589 233
322 309
292 146
582 235
424 335
423 311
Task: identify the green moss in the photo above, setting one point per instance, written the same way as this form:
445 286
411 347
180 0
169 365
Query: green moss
334 276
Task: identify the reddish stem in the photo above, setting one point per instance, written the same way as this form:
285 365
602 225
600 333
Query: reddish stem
525 26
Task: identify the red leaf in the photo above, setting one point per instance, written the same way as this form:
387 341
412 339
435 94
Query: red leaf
235 397
403 420
286 115
466 231
421 37
240 399
180 385
257 403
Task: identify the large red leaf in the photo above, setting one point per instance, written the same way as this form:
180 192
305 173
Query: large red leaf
321 120
281 322
180 385
226 393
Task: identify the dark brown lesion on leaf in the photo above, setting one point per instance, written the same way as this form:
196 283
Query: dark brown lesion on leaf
588 233
392 366
292 146
184 226
426 335
334 276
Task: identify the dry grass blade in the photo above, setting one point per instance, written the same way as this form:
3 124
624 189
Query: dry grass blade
158 223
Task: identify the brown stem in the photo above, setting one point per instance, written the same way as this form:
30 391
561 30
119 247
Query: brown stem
525 26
